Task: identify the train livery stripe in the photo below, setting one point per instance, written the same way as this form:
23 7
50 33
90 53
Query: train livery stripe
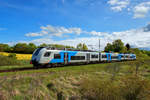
70 53
119 56
108 56
61 60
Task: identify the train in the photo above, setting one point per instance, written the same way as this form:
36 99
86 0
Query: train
48 57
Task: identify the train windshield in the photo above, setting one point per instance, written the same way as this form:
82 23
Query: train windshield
47 54
37 52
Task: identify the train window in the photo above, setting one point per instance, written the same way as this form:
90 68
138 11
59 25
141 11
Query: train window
104 56
82 57
57 56
47 54
37 51
114 57
94 56
132 56
127 56
77 57
122 56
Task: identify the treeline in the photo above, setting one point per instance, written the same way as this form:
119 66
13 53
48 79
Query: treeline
119 46
18 48
29 48
115 46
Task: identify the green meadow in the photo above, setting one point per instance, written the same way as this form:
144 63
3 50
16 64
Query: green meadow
104 81
127 80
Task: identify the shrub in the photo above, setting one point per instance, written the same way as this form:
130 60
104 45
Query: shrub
114 69
135 88
131 87
4 60
12 55
99 90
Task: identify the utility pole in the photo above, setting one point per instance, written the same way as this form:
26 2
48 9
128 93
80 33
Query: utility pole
99 49
99 44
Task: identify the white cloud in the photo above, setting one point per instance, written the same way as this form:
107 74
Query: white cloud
141 10
112 2
94 33
55 31
60 31
135 37
33 34
118 5
72 42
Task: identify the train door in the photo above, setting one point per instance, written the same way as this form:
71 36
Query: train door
108 57
65 58
119 57
88 57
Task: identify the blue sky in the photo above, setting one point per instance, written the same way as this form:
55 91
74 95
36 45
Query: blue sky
72 21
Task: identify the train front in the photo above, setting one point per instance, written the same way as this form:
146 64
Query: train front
36 56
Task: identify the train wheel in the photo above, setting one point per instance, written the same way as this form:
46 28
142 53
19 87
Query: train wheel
36 66
48 65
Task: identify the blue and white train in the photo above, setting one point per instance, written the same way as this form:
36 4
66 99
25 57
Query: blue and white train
45 56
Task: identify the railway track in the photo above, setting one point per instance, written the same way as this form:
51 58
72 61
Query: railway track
19 69
32 68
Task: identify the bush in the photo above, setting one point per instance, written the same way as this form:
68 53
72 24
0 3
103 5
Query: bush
114 69
12 55
99 90
135 88
4 61
131 87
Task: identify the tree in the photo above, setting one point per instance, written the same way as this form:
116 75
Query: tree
79 46
85 47
118 46
4 47
20 48
69 47
43 45
128 46
31 48
82 46
109 47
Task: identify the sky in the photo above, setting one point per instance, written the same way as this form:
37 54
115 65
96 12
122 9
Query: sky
70 22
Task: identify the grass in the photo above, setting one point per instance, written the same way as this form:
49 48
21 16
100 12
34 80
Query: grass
11 60
66 69
64 79
15 67
129 80
63 82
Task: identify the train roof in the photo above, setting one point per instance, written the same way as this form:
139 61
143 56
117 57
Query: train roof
71 51
66 49
77 50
